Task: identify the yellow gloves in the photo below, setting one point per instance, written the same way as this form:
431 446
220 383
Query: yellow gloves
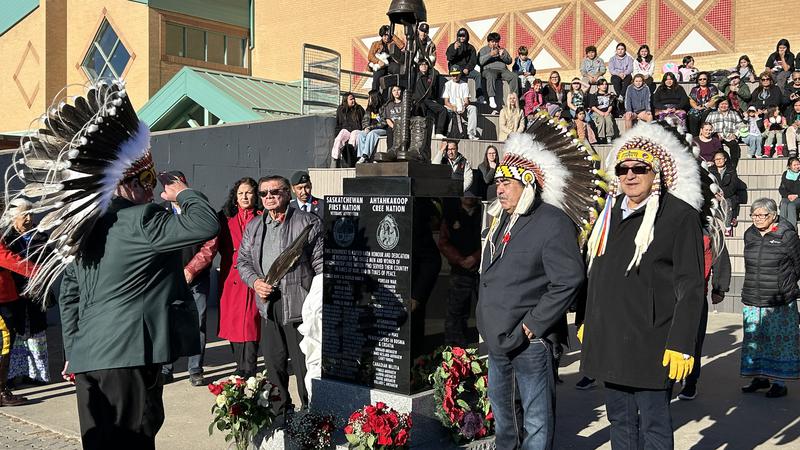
679 365
580 334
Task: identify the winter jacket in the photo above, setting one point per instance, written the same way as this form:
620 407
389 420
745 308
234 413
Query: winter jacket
426 87
632 318
11 262
764 98
294 286
728 182
740 100
428 49
771 265
465 56
788 187
499 62
349 119
675 97
532 278
520 66
637 100
393 49
552 96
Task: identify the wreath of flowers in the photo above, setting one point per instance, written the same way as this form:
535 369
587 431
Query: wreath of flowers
461 392
378 427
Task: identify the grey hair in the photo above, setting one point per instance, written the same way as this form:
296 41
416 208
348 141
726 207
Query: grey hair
766 203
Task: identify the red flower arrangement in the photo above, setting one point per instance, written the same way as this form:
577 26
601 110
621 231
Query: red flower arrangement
242 407
461 392
378 427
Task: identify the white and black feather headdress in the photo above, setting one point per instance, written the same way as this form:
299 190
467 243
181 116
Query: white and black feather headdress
71 167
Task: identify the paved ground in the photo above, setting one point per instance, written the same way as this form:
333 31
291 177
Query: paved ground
720 417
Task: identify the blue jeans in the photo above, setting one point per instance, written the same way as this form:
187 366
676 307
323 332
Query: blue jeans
368 141
199 290
527 373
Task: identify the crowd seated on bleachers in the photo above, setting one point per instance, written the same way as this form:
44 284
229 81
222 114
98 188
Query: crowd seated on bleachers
765 117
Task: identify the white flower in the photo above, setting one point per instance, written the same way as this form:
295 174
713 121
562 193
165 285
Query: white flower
263 399
249 392
221 400
252 383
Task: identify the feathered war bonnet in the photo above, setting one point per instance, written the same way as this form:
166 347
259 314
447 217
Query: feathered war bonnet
677 170
549 160
71 167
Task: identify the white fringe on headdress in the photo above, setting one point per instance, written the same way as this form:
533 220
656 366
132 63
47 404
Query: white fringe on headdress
556 176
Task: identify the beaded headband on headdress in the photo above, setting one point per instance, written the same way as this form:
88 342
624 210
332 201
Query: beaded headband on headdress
521 169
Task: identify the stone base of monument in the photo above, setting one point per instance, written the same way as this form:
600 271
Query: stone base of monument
342 399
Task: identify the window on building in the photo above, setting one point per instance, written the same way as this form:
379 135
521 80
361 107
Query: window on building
204 45
107 56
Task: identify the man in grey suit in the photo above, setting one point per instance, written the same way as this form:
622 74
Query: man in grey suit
303 200
531 270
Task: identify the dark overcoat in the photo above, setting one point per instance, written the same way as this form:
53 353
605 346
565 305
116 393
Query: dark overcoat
632 318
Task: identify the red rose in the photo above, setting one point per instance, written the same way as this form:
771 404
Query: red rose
215 389
384 439
355 416
348 430
490 416
380 406
378 425
401 438
235 410
239 381
458 352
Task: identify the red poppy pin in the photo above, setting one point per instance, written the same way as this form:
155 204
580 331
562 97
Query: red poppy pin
314 202
506 238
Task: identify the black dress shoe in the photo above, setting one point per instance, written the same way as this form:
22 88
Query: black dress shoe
168 378
755 385
196 379
777 390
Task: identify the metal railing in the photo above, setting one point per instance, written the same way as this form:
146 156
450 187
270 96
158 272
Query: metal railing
321 79
359 83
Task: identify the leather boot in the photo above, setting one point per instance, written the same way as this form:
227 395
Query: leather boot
7 398
419 132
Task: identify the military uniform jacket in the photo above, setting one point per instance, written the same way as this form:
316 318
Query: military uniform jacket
317 206
631 319
124 301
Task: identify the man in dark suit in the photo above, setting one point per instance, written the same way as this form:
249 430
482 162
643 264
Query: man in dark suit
531 270
303 200
126 309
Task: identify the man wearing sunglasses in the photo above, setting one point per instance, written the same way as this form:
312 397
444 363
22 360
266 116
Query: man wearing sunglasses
281 303
645 292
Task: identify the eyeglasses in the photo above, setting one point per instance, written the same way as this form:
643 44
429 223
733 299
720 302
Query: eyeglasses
766 79
637 170
759 216
795 78
271 192
702 79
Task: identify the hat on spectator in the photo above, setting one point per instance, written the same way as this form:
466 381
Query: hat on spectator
424 27
455 69
385 30
300 177
733 75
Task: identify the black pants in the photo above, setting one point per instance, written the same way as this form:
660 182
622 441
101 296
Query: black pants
694 375
200 289
463 289
632 410
734 150
245 354
620 84
120 408
279 343
432 108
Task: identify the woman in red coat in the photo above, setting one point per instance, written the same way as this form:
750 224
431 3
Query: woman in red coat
239 321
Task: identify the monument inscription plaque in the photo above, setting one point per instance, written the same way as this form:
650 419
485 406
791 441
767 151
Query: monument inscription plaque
366 319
